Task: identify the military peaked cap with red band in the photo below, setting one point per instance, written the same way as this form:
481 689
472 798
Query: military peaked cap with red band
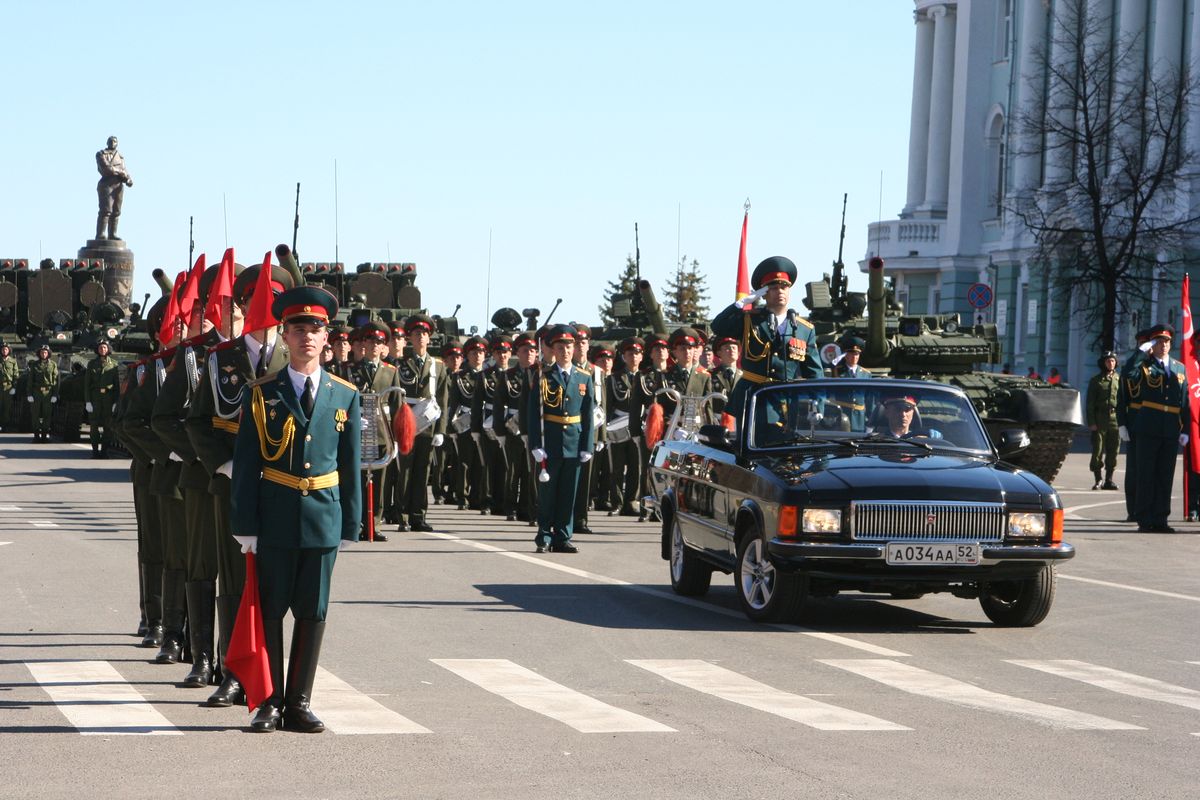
775 268
375 332
632 343
524 340
502 342
721 341
247 280
419 322
1162 331
310 304
907 400
599 352
687 337
338 333
475 343
451 349
583 331
656 340
561 333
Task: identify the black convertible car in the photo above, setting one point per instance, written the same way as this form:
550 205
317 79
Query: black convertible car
882 486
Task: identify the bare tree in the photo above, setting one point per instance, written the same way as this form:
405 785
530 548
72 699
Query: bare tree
1109 127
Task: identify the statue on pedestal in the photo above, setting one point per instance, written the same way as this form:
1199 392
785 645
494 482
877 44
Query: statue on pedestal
111 189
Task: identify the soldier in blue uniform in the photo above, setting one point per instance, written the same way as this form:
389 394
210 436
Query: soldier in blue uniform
776 343
297 498
561 437
1157 385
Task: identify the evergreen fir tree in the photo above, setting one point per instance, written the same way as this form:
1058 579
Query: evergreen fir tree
686 294
625 284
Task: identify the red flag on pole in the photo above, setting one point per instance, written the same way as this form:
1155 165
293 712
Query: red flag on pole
247 654
743 274
167 331
259 315
191 291
221 290
1187 354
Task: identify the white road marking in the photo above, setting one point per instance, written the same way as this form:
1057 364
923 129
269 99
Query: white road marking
914 680
4 543
345 710
687 601
1116 681
728 685
94 698
1111 585
43 523
530 690
1075 509
10 508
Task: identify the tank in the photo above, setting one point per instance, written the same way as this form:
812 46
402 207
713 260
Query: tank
938 347
637 313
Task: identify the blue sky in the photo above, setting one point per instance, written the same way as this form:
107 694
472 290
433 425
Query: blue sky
553 126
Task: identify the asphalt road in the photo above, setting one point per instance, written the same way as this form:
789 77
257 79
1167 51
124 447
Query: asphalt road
461 664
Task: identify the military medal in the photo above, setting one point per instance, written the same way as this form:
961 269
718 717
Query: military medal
797 349
340 418
582 389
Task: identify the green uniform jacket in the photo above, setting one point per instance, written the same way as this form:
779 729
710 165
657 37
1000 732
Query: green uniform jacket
43 378
282 438
769 355
9 372
1102 395
183 381
561 414
1159 396
100 382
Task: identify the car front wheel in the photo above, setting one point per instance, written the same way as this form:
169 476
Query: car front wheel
1021 603
690 576
766 593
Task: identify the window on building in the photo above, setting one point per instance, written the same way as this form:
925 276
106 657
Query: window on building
935 301
1004 29
997 154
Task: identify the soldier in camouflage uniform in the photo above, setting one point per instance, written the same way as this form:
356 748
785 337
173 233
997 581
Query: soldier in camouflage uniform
9 372
100 396
43 393
1101 401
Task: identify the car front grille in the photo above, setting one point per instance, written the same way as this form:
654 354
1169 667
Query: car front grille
934 522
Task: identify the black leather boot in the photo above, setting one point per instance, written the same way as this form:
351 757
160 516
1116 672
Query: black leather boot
201 605
230 692
152 586
302 671
174 604
269 717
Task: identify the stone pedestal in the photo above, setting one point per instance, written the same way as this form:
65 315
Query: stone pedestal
118 268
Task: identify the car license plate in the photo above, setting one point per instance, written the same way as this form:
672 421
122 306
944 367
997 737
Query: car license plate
933 554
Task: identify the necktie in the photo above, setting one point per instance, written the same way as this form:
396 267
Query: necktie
370 371
306 399
261 369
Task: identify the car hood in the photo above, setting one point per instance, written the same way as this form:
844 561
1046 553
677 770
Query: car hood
906 476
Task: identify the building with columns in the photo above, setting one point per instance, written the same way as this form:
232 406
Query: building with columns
978 64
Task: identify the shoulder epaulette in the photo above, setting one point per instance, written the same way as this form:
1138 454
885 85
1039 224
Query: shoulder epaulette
270 376
342 381
804 322
702 370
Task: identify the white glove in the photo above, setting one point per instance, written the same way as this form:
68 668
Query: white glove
88 407
175 457
226 469
387 410
249 543
344 544
753 299
438 439
1123 432
12 390
1183 439
539 455
30 398
585 457
599 447
54 399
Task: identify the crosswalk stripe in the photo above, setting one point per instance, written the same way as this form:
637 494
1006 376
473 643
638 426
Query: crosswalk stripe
1116 681
94 698
736 688
10 508
530 690
914 680
345 710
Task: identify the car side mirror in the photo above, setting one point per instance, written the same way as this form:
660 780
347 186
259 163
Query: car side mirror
1012 441
715 436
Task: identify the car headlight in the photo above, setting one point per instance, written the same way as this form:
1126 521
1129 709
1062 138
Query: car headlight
822 520
1026 525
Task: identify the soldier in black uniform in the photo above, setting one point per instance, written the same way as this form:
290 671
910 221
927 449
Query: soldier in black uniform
725 373
372 375
606 495
521 497
445 458
487 426
470 483
652 378
425 383
339 342
686 376
625 425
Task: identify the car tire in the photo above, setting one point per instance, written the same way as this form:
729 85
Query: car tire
690 576
766 593
1021 603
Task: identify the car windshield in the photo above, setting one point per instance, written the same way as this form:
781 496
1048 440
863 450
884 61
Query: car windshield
858 413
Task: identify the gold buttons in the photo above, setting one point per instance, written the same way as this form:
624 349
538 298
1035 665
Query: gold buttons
304 492
307 465
308 437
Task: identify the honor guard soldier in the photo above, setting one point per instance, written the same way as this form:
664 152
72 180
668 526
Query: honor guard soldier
854 408
527 373
1101 403
469 481
487 426
9 373
776 343
339 341
215 416
1157 386
297 498
686 376
605 493
560 439
43 392
424 380
625 425
445 457
396 343
583 493
518 490
726 372
372 375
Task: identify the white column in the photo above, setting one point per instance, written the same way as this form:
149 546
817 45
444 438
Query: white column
1028 157
1168 46
1061 104
1193 134
918 130
937 178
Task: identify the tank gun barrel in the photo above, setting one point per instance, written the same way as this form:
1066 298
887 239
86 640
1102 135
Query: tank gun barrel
164 283
651 304
877 343
288 261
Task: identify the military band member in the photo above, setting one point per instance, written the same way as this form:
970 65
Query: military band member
560 438
1101 405
685 376
469 483
396 343
487 425
444 468
9 373
296 498
652 378
606 495
424 380
1157 384
339 342
372 375
43 392
519 497
776 343
725 373
621 388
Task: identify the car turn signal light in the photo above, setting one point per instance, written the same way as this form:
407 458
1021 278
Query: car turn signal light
1056 525
787 521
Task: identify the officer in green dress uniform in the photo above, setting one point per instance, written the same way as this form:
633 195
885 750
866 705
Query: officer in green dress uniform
297 498
777 344
1126 413
43 392
587 477
10 371
100 398
1157 384
624 415
853 408
1101 404
560 438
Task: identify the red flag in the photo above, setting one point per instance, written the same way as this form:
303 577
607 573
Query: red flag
191 291
743 275
171 318
1187 353
221 290
247 654
259 315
